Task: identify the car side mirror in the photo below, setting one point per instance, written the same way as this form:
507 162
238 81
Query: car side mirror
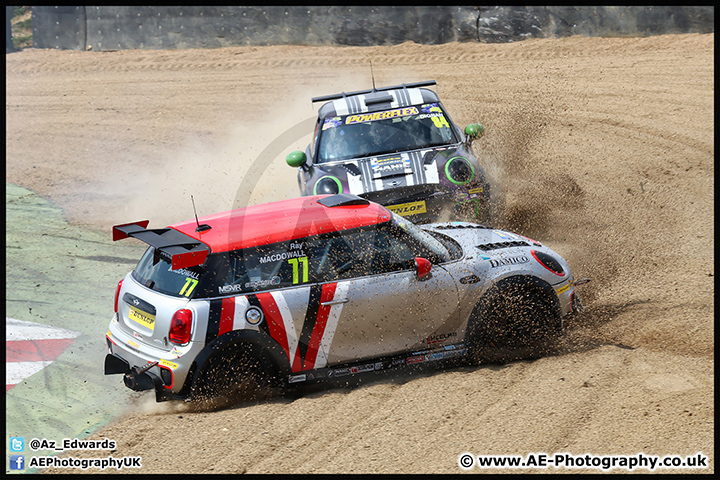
423 268
474 130
296 159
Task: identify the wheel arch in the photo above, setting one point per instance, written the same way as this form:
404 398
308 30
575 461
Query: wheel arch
529 282
482 334
252 338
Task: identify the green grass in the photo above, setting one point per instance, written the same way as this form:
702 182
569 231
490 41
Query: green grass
22 27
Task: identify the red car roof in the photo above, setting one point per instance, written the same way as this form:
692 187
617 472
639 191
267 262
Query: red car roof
280 222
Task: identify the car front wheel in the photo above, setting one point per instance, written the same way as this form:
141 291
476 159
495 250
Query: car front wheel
516 322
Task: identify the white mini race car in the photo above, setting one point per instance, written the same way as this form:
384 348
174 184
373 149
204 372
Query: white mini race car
320 287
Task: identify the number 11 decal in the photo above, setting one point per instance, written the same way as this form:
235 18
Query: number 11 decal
296 262
189 282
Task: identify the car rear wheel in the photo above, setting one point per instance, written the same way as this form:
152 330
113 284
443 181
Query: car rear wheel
517 322
240 372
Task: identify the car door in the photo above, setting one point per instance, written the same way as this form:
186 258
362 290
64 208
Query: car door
378 305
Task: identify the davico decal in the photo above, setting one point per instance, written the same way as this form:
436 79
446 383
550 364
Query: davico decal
500 262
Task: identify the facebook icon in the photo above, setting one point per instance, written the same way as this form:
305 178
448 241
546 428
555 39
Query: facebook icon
17 462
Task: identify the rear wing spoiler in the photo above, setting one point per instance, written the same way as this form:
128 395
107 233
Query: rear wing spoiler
183 250
335 96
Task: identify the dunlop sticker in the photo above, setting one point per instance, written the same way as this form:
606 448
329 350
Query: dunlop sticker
411 208
170 365
144 319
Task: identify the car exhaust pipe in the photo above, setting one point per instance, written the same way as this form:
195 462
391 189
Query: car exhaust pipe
136 378
140 379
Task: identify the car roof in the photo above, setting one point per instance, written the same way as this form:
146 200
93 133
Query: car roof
374 100
283 221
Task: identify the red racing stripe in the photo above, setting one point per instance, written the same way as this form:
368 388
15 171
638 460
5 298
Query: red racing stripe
227 313
35 350
274 320
328 293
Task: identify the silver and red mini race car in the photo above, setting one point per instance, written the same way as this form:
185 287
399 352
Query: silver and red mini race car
320 287
396 146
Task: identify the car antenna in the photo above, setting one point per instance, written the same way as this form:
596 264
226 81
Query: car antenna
372 74
204 226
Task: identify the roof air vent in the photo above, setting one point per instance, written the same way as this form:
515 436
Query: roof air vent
342 200
378 97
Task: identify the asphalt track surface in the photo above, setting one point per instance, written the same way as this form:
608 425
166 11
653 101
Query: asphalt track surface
50 266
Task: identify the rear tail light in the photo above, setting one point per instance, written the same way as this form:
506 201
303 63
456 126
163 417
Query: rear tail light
117 294
549 262
181 327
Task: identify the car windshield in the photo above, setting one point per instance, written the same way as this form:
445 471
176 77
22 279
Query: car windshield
389 131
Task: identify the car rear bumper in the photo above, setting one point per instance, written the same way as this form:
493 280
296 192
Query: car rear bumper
139 378
144 368
135 378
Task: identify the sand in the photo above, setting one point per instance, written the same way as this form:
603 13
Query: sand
603 148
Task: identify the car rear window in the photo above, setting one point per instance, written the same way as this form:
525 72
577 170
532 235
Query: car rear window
158 275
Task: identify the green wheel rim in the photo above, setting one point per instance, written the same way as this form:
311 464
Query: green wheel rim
337 181
447 172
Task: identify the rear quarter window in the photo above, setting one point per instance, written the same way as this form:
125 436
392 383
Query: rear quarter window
158 275
244 271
